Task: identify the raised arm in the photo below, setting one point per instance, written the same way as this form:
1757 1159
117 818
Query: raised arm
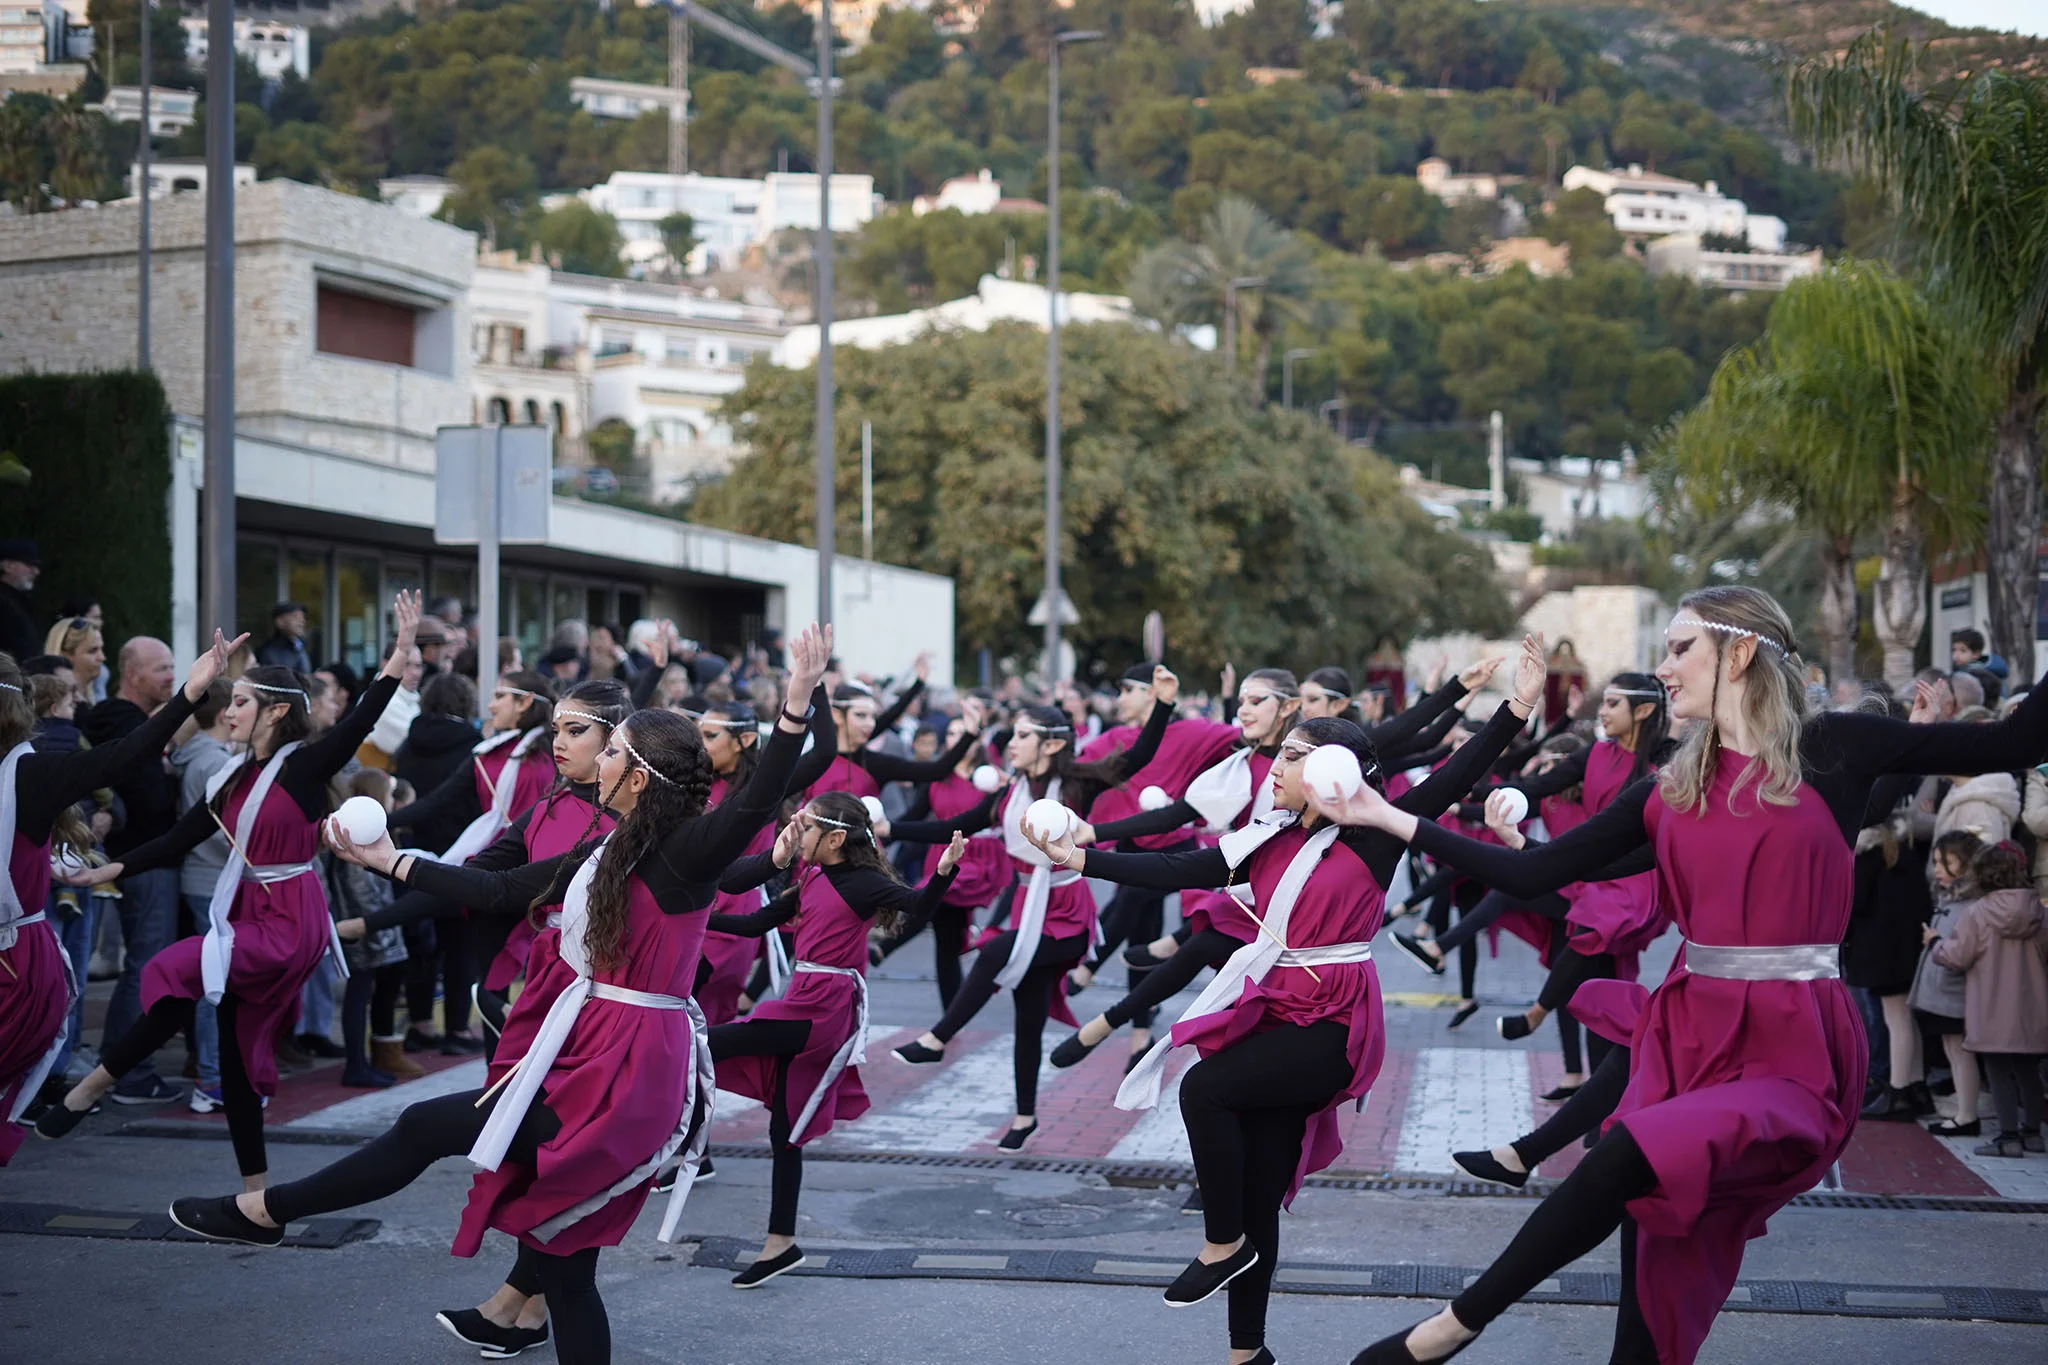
1873 745
1581 855
887 720
1145 748
762 922
889 768
507 892
749 872
1165 820
1443 788
1395 731
168 849
917 905
973 820
1566 773
824 745
1197 868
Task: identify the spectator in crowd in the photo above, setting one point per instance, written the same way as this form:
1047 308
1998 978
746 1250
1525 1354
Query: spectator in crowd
20 563
342 684
436 744
561 663
376 976
573 635
149 797
193 765
286 647
79 641
642 638
88 607
510 657
1967 650
388 734
1968 691
438 647
1937 997
447 610
75 913
1987 805
607 657
52 666
1999 944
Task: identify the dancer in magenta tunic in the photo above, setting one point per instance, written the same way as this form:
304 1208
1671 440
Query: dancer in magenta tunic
589 1096
36 795
800 1055
858 769
269 921
1747 1063
1290 1028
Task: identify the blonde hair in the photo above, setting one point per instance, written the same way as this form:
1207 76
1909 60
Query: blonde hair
1775 704
67 636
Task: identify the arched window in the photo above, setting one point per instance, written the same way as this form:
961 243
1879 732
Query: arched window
501 411
561 416
532 412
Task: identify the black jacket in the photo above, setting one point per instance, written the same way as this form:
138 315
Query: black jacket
434 747
18 633
282 651
148 791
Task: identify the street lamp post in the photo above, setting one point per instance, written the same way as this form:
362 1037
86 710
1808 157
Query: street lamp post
1053 598
1230 289
1287 360
142 189
827 510
217 585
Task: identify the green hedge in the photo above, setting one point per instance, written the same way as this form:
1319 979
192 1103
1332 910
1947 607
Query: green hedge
98 454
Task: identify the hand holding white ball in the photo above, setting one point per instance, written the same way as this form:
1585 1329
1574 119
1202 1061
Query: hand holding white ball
1332 773
361 818
1049 820
1508 806
1154 798
987 779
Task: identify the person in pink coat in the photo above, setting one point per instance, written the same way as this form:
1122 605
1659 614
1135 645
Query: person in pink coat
2000 944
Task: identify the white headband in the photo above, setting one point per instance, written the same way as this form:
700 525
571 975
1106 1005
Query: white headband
299 692
12 688
563 711
1647 694
652 770
1723 629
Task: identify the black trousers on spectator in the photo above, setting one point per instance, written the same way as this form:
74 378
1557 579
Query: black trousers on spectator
2015 1090
1246 1109
781 1039
1032 1000
165 1020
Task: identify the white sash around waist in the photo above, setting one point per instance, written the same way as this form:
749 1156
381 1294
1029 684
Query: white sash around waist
217 949
1038 889
1796 962
852 1052
1140 1088
37 1074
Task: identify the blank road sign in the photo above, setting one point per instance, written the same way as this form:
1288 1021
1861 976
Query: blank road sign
525 457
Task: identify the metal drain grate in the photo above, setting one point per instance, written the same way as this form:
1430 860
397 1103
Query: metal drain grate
61 1220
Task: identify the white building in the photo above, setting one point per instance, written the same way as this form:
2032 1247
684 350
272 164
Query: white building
416 196
1574 489
24 41
572 351
996 300
602 98
1435 175
728 215
274 48
171 112
181 174
1682 253
1646 204
350 351
973 195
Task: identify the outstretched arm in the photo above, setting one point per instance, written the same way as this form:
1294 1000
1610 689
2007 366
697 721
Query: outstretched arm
824 745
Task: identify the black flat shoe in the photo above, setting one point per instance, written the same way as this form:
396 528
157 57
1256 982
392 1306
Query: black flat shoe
665 1179
516 1341
1394 1350
467 1324
1200 1279
1074 987
760 1272
1950 1128
1014 1140
320 1045
1464 1012
1411 945
1131 1062
1192 1205
1483 1166
1264 1357
917 1054
1513 1027
704 1171
1141 955
1895 1105
57 1121
1561 1094
416 1041
218 1220
458 1045
1072 1052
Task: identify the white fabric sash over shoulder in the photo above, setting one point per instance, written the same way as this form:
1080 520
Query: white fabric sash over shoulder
1038 886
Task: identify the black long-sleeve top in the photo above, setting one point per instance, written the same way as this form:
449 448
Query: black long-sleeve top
1078 795
45 783
1381 852
682 871
503 854
1842 754
454 803
887 767
1409 752
824 741
304 778
866 892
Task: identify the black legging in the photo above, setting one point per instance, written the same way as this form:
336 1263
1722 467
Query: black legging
1490 908
1581 1114
1204 948
1135 915
1466 895
758 983
449 1126
165 1020
1246 1109
1032 1000
780 1039
949 941
1577 1217
1568 970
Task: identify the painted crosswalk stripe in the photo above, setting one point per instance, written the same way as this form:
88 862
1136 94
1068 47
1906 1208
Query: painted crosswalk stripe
962 1105
1461 1098
1159 1135
377 1110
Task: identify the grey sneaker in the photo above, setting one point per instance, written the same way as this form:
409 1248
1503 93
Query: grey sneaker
150 1089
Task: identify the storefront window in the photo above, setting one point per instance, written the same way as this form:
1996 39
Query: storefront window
566 603
523 604
306 582
255 591
358 611
457 581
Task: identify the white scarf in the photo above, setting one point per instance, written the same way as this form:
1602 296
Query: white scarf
217 950
11 908
1037 888
1140 1089
1221 793
480 832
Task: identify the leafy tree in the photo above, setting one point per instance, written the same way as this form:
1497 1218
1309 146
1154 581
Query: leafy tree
25 152
1543 72
1968 171
495 191
1579 220
678 237
612 444
1242 267
1251 530
579 237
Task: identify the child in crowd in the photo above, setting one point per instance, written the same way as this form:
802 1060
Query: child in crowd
374 978
1937 994
1998 941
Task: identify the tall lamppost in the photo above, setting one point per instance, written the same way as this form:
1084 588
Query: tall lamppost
1230 288
1054 599
1287 360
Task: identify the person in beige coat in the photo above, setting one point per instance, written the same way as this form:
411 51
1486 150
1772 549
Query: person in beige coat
2034 815
1999 942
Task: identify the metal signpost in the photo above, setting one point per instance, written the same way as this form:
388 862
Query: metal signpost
493 486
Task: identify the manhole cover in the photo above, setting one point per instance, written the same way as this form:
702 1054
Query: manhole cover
1056 1216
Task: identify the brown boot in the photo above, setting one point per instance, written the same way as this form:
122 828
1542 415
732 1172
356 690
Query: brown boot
388 1054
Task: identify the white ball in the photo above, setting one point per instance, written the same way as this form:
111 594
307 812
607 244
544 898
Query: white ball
1154 798
1331 771
362 819
875 812
1514 805
1048 818
987 779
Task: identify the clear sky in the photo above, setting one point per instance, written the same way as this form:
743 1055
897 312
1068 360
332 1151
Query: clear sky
2024 16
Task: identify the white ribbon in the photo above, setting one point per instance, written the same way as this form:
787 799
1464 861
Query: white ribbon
12 911
1038 886
217 949
852 1052
37 1074
480 832
1223 792
778 956
1140 1089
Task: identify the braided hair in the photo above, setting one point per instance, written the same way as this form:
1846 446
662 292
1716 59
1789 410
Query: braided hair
843 812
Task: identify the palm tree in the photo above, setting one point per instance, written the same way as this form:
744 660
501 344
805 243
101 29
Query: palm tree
1205 281
1859 405
78 153
1968 169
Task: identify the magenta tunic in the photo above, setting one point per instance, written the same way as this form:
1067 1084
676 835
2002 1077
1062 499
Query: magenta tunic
561 822
830 934
34 994
536 776
844 775
1214 909
1341 903
1189 749
1621 917
617 1087
281 933
731 955
1741 1093
984 868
